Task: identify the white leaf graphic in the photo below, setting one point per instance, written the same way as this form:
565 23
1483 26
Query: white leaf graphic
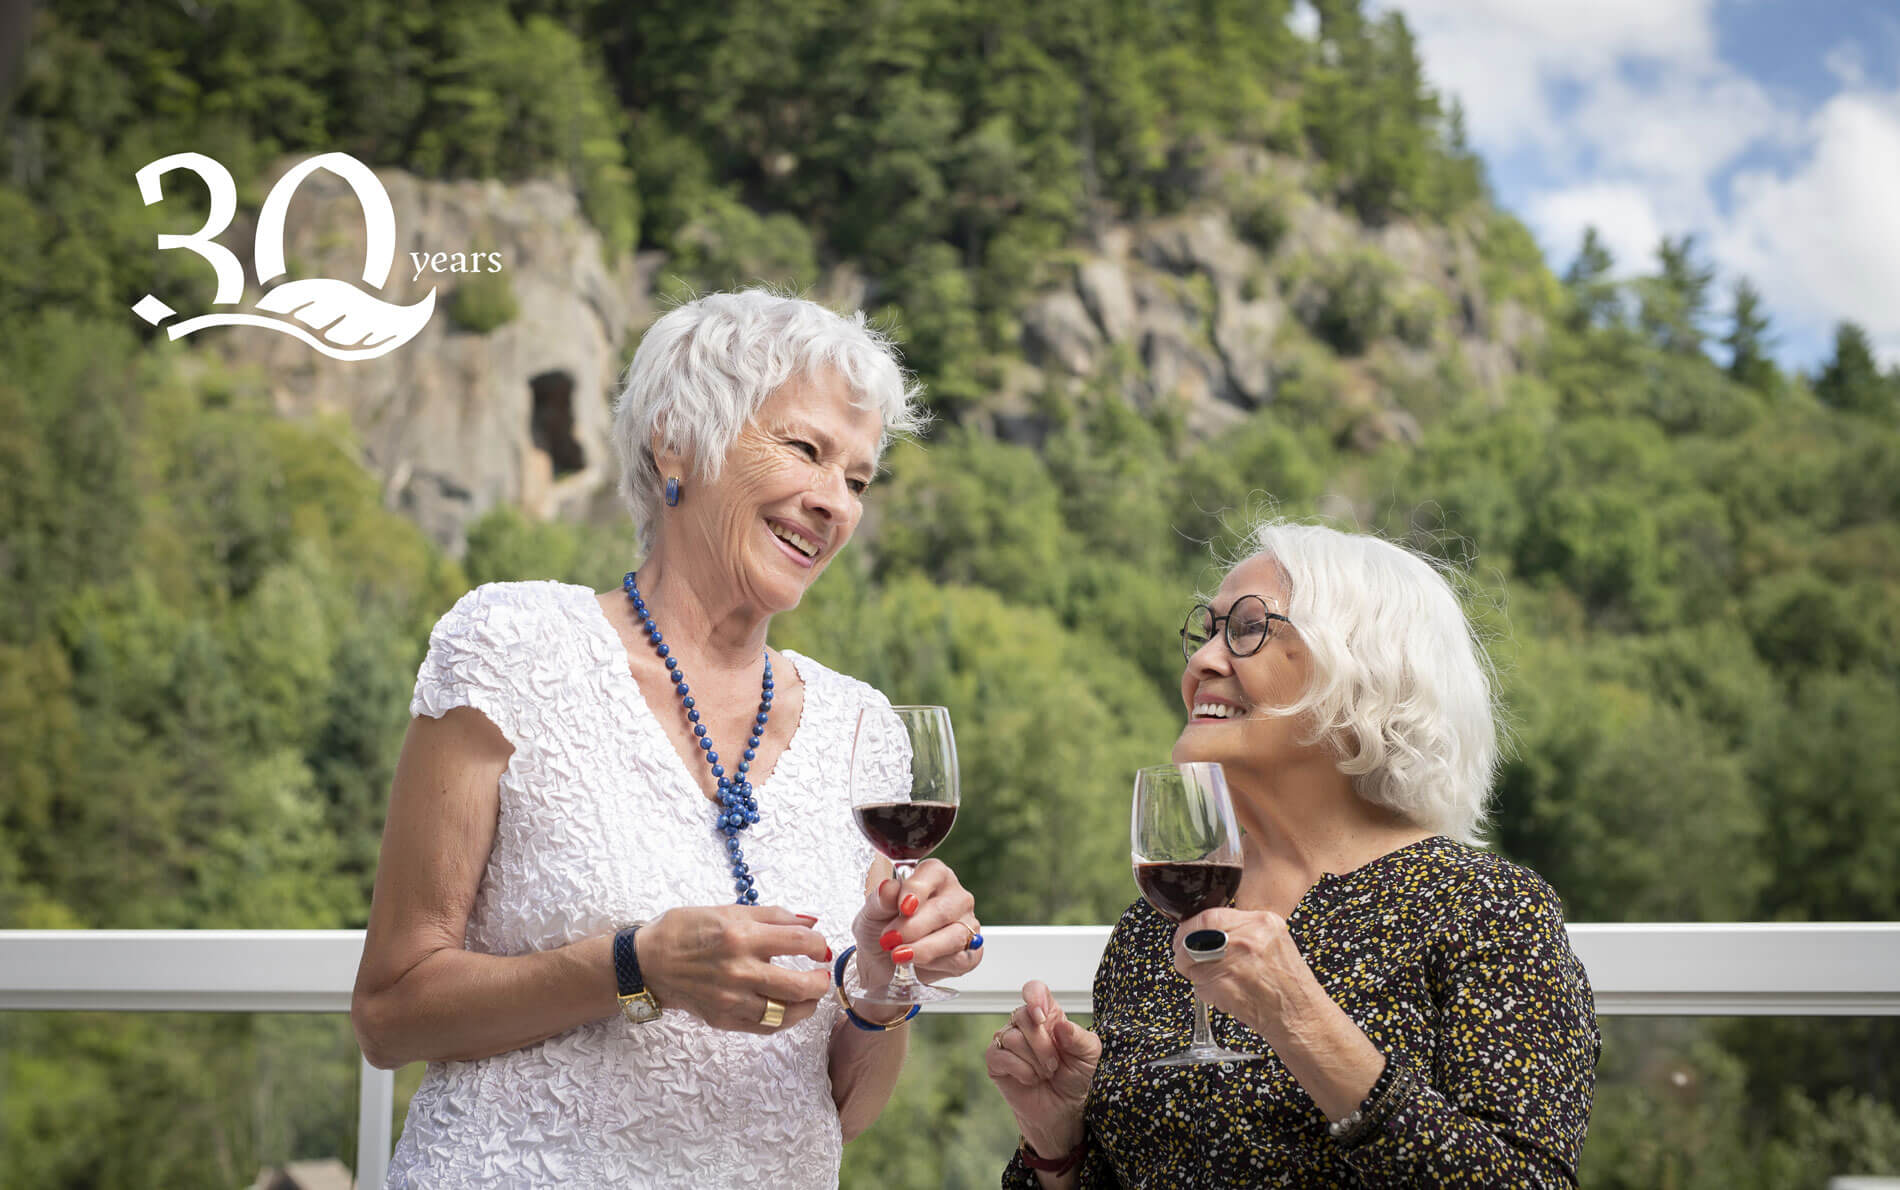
346 316
350 324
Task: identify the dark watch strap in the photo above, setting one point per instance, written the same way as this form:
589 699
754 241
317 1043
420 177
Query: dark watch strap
627 962
1062 1164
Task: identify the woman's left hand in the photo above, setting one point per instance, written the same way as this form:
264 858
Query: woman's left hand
932 917
1262 980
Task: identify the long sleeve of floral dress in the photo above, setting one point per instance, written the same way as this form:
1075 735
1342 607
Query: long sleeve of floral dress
1449 957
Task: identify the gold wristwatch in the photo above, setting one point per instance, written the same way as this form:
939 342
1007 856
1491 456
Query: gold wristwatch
636 1003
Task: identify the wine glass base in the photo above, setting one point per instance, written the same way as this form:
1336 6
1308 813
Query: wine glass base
895 996
1200 1055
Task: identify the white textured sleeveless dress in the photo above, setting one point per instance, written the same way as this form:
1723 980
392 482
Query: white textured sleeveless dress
599 824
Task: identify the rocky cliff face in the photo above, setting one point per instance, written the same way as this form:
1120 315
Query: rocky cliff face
457 421
1217 307
1227 307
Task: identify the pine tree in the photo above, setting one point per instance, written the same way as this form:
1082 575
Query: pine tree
1851 381
1676 300
1457 138
1748 341
1588 280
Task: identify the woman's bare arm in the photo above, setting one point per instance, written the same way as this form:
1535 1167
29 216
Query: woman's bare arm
864 1070
934 932
419 995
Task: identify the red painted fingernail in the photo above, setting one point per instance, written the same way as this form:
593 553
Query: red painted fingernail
891 938
903 954
827 954
908 905
808 918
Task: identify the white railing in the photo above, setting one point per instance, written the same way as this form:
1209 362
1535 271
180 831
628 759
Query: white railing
1745 969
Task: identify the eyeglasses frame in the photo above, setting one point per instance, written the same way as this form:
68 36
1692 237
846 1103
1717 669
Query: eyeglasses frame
1225 626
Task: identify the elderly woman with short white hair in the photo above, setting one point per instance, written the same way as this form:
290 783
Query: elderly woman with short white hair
610 896
1417 1014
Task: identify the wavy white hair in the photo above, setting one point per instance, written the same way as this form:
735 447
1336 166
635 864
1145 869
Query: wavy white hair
1401 688
704 369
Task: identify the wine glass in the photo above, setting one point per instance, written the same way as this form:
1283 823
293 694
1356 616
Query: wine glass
904 796
1186 849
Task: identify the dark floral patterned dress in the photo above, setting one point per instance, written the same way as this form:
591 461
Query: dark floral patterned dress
1446 954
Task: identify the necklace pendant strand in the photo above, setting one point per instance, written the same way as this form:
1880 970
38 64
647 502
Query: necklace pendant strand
738 809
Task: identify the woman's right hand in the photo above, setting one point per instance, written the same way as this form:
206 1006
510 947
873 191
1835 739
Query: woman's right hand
1043 1063
716 963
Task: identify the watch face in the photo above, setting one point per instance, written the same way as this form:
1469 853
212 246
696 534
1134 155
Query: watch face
641 1008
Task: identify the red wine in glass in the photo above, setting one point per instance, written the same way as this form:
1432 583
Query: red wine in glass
1178 891
906 831
1186 850
904 798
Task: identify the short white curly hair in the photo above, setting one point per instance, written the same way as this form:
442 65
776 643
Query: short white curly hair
703 370
1402 687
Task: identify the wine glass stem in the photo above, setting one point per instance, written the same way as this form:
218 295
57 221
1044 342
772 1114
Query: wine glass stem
902 975
1203 1027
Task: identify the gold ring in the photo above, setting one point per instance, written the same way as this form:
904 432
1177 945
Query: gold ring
774 1014
971 931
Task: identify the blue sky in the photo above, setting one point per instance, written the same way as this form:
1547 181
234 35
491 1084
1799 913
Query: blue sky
1769 129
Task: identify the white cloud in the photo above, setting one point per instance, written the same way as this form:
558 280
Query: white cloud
1620 114
1824 238
1680 128
1622 213
1502 57
1602 96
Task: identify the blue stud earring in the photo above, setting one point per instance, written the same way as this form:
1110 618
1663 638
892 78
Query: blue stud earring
672 491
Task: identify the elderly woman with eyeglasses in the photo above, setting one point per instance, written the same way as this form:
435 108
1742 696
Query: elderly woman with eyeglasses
1419 1017
620 849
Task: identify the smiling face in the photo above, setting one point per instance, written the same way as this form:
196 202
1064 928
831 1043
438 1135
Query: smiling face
1230 700
788 497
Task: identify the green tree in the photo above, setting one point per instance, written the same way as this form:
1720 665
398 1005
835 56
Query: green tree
1368 113
1673 304
1749 341
973 511
1850 380
1823 769
937 320
1594 296
1586 783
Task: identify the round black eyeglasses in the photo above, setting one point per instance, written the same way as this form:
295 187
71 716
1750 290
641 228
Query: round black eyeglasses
1247 626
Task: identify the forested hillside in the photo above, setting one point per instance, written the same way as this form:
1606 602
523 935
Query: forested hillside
1687 559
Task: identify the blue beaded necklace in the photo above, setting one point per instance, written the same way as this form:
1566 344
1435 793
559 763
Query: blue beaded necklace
737 807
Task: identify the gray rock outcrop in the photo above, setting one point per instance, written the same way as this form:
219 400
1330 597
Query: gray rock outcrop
1211 317
455 422
1057 332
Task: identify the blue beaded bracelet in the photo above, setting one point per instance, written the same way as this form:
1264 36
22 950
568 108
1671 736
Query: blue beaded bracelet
851 1013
